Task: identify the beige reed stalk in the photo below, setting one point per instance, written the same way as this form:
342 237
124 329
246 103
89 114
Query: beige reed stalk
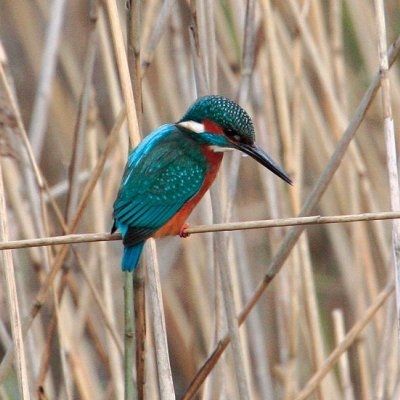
123 69
390 146
166 387
134 17
39 117
351 336
13 297
134 137
107 306
204 26
60 257
344 366
221 256
382 375
156 34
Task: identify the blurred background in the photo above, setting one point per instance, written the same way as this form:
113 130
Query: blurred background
300 68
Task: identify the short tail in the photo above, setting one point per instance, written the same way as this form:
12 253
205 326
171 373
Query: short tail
131 257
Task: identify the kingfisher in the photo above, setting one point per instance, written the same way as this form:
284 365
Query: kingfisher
169 172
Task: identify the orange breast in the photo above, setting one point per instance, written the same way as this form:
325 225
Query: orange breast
175 224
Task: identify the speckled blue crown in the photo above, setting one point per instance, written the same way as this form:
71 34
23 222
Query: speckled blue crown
225 112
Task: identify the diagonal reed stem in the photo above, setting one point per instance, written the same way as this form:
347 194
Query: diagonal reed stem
351 336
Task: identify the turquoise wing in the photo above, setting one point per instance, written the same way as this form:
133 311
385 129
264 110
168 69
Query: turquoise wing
165 171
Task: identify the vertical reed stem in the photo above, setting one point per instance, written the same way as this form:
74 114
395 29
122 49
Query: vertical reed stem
390 146
13 300
129 339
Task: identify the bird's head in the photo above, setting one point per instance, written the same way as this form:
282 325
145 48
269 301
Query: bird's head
222 124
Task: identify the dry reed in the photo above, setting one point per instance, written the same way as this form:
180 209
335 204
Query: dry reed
300 69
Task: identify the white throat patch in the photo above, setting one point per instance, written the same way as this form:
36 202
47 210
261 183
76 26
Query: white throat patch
218 149
192 126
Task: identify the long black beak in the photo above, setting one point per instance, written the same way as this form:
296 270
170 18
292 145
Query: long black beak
264 159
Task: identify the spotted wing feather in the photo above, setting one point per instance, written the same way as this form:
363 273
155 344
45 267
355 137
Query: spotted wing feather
165 171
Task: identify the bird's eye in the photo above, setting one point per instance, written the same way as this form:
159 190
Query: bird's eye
231 134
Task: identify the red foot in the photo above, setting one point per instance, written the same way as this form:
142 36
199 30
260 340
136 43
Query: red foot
182 232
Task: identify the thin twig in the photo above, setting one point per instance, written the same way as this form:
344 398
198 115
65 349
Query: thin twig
229 226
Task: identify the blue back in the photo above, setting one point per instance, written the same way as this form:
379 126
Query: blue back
164 172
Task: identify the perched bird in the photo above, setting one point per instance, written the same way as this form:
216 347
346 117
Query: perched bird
168 173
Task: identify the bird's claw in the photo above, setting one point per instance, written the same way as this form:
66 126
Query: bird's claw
182 232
